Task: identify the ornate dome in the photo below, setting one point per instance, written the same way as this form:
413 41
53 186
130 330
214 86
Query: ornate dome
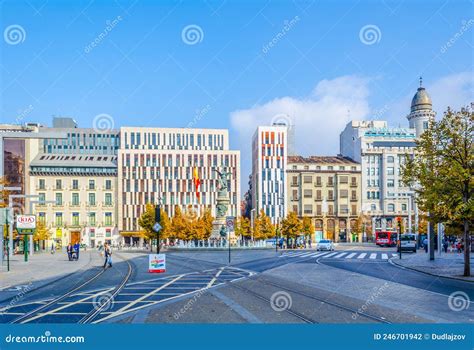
421 100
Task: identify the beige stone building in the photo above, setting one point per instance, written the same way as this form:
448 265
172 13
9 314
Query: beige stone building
327 189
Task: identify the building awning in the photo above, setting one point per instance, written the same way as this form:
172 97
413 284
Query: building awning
140 234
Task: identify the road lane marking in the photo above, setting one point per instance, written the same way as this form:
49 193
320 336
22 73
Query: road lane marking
394 254
211 282
351 255
384 256
327 256
128 306
373 256
39 315
362 256
340 255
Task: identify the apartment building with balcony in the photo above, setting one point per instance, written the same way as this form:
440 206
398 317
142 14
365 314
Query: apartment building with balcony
75 181
328 190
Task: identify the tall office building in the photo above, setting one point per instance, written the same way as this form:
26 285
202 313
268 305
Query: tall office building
382 152
76 179
269 163
156 165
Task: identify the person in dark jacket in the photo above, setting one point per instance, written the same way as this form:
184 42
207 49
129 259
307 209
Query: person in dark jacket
76 250
107 255
69 251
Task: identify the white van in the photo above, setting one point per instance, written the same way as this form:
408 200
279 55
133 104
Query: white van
407 242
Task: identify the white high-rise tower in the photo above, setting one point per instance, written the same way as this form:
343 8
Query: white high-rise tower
421 111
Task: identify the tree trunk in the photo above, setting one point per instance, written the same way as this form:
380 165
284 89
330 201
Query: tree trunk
467 249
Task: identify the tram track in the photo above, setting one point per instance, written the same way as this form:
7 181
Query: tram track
91 315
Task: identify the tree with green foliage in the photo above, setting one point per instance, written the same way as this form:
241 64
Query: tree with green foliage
441 172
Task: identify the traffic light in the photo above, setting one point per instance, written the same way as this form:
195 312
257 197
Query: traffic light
157 213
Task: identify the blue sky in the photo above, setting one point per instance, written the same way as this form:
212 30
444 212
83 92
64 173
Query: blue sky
320 70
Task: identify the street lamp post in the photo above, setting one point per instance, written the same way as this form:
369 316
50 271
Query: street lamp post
6 188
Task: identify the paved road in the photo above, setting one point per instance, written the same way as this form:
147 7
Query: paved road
322 287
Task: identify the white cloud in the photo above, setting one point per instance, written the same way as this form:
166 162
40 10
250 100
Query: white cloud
318 118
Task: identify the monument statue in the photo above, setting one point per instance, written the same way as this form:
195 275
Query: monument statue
222 206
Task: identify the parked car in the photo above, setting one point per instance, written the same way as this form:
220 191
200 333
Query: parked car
407 242
325 244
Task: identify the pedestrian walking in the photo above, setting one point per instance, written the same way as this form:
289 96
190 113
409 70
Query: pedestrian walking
425 245
76 250
69 249
445 244
107 255
309 242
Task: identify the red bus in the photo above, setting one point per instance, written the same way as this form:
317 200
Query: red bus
386 238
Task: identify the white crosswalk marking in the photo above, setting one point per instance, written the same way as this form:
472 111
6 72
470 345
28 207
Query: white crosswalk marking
385 256
394 254
362 256
307 254
329 255
340 255
350 255
373 256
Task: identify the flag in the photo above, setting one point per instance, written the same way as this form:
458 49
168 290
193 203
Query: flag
197 182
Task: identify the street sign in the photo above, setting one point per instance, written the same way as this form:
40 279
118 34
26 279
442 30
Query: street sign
156 263
26 224
156 227
230 223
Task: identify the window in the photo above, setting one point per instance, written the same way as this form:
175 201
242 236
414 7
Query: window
373 207
391 207
108 199
108 219
390 171
59 219
75 199
308 193
307 179
91 198
344 193
92 219
330 209
425 125
91 184
404 207
308 209
59 184
75 184
390 183
75 219
108 184
390 159
42 217
318 195
318 181
344 209
330 181
330 195
353 209
41 198
41 184
343 179
59 199
353 181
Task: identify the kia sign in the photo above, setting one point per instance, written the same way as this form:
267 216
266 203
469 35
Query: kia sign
25 224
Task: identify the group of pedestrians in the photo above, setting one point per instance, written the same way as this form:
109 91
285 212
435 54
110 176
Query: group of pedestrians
73 251
456 244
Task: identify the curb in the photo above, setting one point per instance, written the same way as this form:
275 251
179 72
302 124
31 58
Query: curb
393 263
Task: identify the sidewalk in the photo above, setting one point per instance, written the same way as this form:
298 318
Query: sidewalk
41 269
447 265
